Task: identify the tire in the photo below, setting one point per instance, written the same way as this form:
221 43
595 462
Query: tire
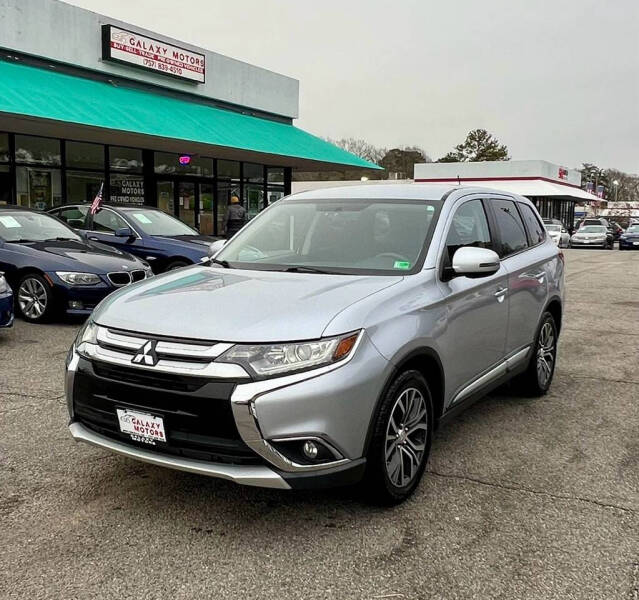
34 298
536 380
176 264
389 482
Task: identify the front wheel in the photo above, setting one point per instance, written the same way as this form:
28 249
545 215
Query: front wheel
34 298
536 380
176 264
401 440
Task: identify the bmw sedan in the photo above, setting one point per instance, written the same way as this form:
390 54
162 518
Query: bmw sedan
6 303
148 233
630 239
54 270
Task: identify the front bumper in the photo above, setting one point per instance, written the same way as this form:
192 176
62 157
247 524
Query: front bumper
333 404
631 244
6 310
587 244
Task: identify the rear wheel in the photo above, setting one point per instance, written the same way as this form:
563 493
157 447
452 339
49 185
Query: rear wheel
401 440
34 298
536 380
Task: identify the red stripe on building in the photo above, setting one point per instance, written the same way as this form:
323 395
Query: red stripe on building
456 179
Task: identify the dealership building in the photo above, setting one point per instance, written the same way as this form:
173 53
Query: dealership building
87 101
554 189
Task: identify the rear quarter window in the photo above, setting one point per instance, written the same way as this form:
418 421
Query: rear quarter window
511 228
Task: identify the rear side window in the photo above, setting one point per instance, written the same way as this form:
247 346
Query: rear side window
106 221
534 227
511 227
73 215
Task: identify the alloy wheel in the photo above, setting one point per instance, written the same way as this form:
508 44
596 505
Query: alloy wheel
32 298
406 434
545 354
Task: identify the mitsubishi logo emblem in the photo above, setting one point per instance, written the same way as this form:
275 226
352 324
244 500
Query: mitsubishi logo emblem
146 355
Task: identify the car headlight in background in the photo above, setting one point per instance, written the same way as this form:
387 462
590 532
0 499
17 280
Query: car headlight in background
74 278
4 286
86 335
271 360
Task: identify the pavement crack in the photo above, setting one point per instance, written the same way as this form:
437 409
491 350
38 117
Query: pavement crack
516 488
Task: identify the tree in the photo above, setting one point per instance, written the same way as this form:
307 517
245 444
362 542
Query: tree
402 161
360 148
479 146
593 175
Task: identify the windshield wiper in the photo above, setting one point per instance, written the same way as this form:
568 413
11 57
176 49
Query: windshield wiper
21 241
61 239
224 263
303 269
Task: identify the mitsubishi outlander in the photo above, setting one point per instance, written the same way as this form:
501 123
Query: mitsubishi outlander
327 340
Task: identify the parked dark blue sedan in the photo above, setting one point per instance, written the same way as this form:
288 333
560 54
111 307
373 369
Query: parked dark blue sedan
152 235
630 239
6 303
53 269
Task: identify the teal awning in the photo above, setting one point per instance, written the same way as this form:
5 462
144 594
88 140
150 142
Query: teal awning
34 92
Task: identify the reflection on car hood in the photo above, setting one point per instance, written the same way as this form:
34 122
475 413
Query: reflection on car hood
233 305
199 242
74 255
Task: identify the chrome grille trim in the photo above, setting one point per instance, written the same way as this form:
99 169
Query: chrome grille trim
119 348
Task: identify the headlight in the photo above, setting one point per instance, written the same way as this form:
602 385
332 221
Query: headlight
86 335
4 286
73 278
271 360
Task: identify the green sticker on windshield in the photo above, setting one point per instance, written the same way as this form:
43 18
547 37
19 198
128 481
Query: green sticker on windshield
401 264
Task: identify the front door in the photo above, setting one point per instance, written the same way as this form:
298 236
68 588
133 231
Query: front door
193 202
188 208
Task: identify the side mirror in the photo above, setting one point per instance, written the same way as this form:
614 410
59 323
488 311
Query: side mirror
124 232
215 247
475 262
564 231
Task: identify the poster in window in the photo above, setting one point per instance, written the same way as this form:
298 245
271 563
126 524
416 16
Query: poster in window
126 189
39 189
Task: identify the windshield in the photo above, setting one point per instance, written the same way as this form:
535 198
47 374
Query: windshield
633 229
593 229
17 226
155 222
335 236
553 228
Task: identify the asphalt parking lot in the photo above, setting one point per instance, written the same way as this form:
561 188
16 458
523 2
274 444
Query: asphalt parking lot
524 498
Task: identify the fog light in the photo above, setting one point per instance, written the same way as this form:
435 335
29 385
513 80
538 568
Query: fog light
310 449
76 305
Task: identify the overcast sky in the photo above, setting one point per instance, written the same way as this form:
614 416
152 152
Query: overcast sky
552 79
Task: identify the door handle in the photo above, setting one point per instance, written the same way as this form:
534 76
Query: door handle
500 294
95 239
540 276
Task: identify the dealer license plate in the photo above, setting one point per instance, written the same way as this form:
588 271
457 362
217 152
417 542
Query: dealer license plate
142 427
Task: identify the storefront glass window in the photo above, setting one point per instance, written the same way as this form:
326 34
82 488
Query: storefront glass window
127 189
206 209
38 188
166 201
275 175
274 194
253 199
37 150
4 147
125 159
5 185
253 173
83 186
228 168
182 164
84 156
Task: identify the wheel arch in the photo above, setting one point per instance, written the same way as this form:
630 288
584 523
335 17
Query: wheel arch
426 361
555 308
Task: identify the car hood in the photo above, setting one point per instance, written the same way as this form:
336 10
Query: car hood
196 242
232 305
76 256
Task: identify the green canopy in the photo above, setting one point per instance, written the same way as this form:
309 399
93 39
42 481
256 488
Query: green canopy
47 94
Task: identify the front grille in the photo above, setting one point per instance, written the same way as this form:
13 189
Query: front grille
137 275
119 278
198 419
164 381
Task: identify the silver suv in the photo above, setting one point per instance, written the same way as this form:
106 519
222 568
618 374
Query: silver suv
326 341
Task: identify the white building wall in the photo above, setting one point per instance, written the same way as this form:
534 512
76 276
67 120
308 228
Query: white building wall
72 35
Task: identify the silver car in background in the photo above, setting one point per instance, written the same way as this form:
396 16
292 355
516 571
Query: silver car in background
558 234
327 340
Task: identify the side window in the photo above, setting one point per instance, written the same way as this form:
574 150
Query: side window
511 227
536 231
469 227
106 221
73 216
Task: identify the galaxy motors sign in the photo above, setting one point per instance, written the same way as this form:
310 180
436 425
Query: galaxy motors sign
123 46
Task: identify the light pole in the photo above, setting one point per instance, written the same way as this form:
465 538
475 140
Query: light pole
616 184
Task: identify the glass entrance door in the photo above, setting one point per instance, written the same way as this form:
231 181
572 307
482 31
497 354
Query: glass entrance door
207 204
166 196
188 208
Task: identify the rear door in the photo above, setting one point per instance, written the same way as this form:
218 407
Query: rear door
477 308
525 255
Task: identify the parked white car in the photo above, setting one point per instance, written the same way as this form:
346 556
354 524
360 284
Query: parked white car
558 234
